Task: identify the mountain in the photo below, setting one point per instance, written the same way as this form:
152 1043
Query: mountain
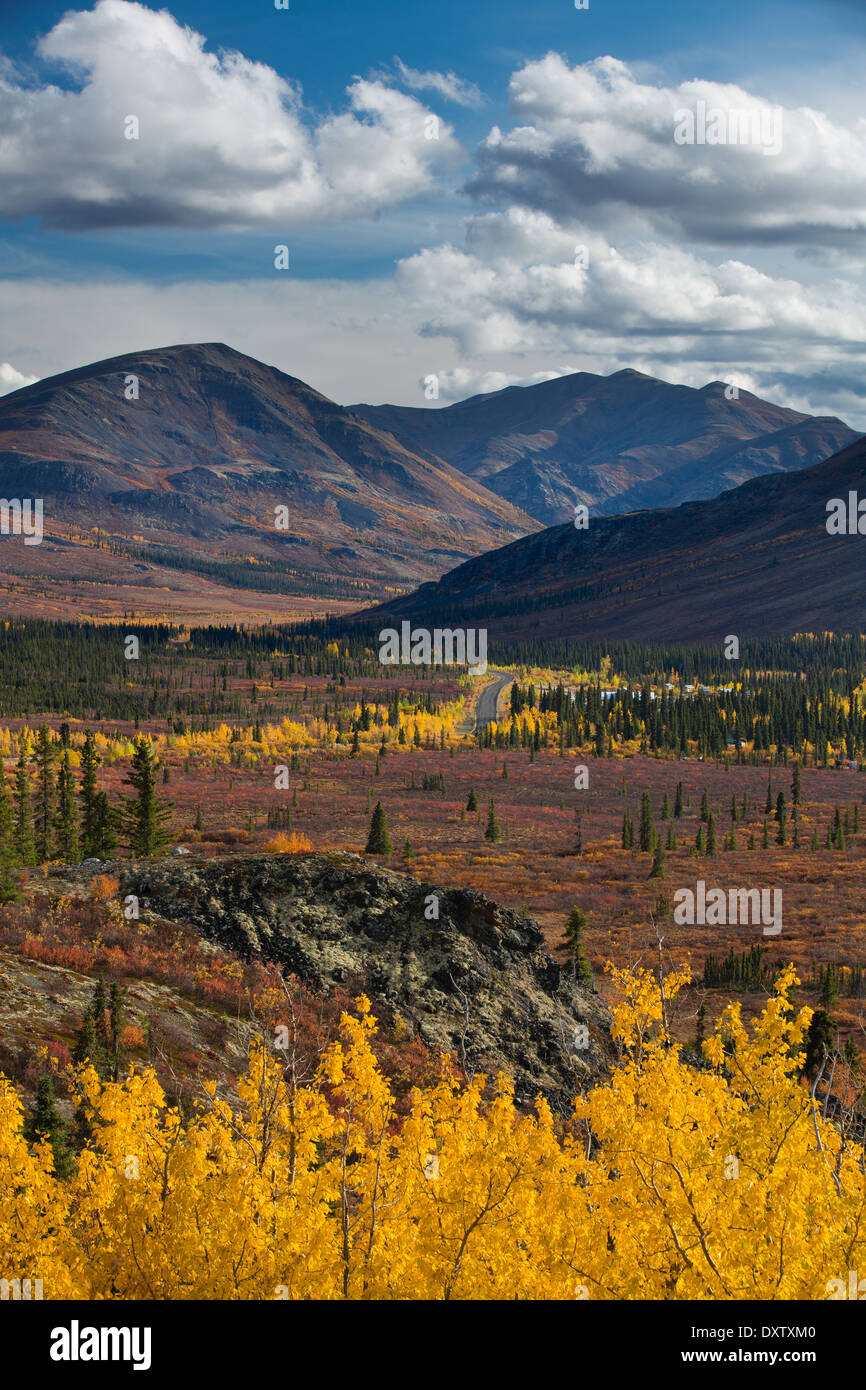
176 490
756 561
616 443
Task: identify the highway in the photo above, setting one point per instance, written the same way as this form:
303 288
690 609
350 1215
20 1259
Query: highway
488 700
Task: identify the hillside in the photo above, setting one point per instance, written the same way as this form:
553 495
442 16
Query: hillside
756 561
617 443
175 492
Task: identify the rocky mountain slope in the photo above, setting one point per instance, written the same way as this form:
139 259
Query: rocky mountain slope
754 562
476 981
617 443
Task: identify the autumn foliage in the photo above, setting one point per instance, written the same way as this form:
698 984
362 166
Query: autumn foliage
723 1183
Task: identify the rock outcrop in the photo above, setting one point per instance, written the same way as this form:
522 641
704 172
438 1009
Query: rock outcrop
466 974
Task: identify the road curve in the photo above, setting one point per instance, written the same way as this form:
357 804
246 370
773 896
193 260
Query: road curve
488 700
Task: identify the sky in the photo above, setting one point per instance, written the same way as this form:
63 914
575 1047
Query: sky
470 195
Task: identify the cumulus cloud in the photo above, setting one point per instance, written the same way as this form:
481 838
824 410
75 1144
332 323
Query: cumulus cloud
222 141
12 380
595 144
447 84
526 286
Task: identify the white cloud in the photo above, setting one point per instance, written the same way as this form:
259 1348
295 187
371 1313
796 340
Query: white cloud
527 288
223 141
12 380
595 144
447 84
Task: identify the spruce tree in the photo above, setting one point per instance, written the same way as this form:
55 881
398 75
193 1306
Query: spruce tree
666 808
672 839
378 841
66 823
23 833
572 944
44 754
705 806
44 1122
143 815
90 761
678 801
658 865
472 803
104 828
648 835
9 887
492 829
711 834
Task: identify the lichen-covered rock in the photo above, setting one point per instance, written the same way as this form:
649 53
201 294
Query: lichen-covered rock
469 975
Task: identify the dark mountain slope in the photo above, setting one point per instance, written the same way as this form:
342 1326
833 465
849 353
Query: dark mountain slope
756 561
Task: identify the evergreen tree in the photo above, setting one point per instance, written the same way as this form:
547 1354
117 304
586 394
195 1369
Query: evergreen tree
705 806
23 834
666 808
505 771
408 851
700 839
66 825
678 801
45 752
815 838
492 830
781 811
658 864
672 839
44 1122
115 1028
765 842
711 834
90 761
648 835
143 815
472 803
820 1041
627 830
573 945
105 827
378 841
9 887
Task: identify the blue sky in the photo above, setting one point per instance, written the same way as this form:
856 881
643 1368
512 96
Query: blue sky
456 256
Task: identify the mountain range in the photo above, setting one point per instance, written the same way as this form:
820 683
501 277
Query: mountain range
196 482
164 469
757 561
616 443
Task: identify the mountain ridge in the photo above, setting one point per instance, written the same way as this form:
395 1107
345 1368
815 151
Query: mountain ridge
614 443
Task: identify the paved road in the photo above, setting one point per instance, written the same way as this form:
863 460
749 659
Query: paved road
488 700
